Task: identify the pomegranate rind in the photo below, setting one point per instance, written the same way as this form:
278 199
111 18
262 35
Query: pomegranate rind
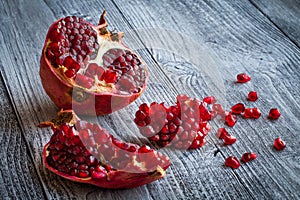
67 95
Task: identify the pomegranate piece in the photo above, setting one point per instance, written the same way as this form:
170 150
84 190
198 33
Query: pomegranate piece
232 162
247 157
87 153
229 139
238 108
222 133
88 69
209 100
248 113
183 125
243 78
279 144
274 113
230 119
256 113
252 96
217 108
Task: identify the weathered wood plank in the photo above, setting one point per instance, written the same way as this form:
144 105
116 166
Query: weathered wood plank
19 177
285 14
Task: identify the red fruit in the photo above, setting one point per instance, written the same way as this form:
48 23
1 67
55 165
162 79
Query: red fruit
232 162
243 78
229 139
210 100
238 108
87 153
274 113
252 96
182 126
246 157
222 133
256 113
248 113
279 144
110 75
230 119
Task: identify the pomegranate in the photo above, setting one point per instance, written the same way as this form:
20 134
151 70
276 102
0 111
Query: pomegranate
88 69
87 153
182 126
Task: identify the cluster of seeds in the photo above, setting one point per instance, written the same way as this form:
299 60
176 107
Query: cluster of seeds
87 151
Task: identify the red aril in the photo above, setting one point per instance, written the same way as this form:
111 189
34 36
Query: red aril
256 113
274 113
243 78
238 108
247 157
232 162
229 139
87 153
279 144
248 113
230 119
88 69
209 100
222 133
252 96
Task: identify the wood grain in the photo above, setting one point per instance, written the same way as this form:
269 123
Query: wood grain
190 47
284 14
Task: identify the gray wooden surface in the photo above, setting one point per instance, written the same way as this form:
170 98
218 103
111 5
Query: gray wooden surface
192 47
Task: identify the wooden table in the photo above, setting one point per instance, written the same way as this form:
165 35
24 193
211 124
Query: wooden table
192 47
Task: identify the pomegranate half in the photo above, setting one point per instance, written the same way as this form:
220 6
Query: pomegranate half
88 69
84 152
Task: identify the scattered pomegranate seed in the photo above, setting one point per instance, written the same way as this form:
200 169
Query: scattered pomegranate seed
238 108
252 96
232 162
218 108
274 113
256 113
279 144
230 119
229 139
210 100
243 78
248 113
247 157
222 133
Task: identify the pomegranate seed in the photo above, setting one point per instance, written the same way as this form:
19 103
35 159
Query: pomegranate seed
256 113
248 113
222 133
210 100
68 62
238 108
252 96
274 113
70 73
246 157
232 162
84 81
230 119
243 78
229 139
279 144
110 77
218 108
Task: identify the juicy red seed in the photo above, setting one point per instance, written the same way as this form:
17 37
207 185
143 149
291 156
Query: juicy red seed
145 149
218 108
68 61
84 81
238 108
98 175
243 78
210 100
232 162
246 157
256 113
110 77
248 113
83 173
274 113
229 139
222 133
92 68
279 144
70 73
75 66
230 119
252 96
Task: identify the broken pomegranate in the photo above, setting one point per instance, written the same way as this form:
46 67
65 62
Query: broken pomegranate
87 153
182 126
243 78
247 157
279 144
232 162
88 69
274 113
